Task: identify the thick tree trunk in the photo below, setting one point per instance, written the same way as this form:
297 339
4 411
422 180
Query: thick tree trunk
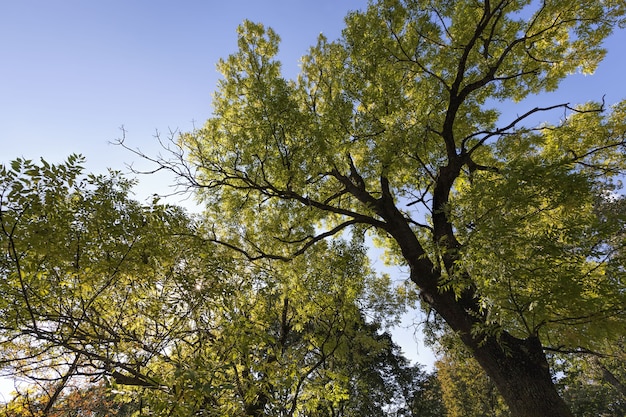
521 373
518 367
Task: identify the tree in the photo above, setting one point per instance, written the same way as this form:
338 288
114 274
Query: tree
98 287
95 400
427 399
593 385
281 342
466 390
379 382
394 128
87 275
589 384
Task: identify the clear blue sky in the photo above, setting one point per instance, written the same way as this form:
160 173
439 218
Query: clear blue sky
72 72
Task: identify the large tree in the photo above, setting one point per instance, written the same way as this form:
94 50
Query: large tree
395 129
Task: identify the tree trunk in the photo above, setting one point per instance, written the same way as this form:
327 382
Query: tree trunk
519 369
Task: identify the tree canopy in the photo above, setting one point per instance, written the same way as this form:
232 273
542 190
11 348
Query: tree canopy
265 304
511 231
100 289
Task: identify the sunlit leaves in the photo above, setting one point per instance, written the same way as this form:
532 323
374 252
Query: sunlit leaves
508 229
141 296
391 129
535 233
376 102
85 268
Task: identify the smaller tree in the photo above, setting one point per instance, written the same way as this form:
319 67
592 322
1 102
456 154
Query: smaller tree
97 286
427 399
466 389
90 400
594 385
380 381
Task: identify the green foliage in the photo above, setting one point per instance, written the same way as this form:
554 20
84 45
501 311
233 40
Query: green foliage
513 233
95 401
85 274
380 383
542 234
377 98
97 286
466 390
395 129
592 385
368 117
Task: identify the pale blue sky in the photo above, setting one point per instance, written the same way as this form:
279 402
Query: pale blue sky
72 72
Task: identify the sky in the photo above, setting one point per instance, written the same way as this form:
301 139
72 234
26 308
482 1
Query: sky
72 73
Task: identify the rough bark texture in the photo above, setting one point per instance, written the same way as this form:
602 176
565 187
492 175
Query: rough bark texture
520 371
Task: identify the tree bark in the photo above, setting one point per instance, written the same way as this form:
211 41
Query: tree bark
519 369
